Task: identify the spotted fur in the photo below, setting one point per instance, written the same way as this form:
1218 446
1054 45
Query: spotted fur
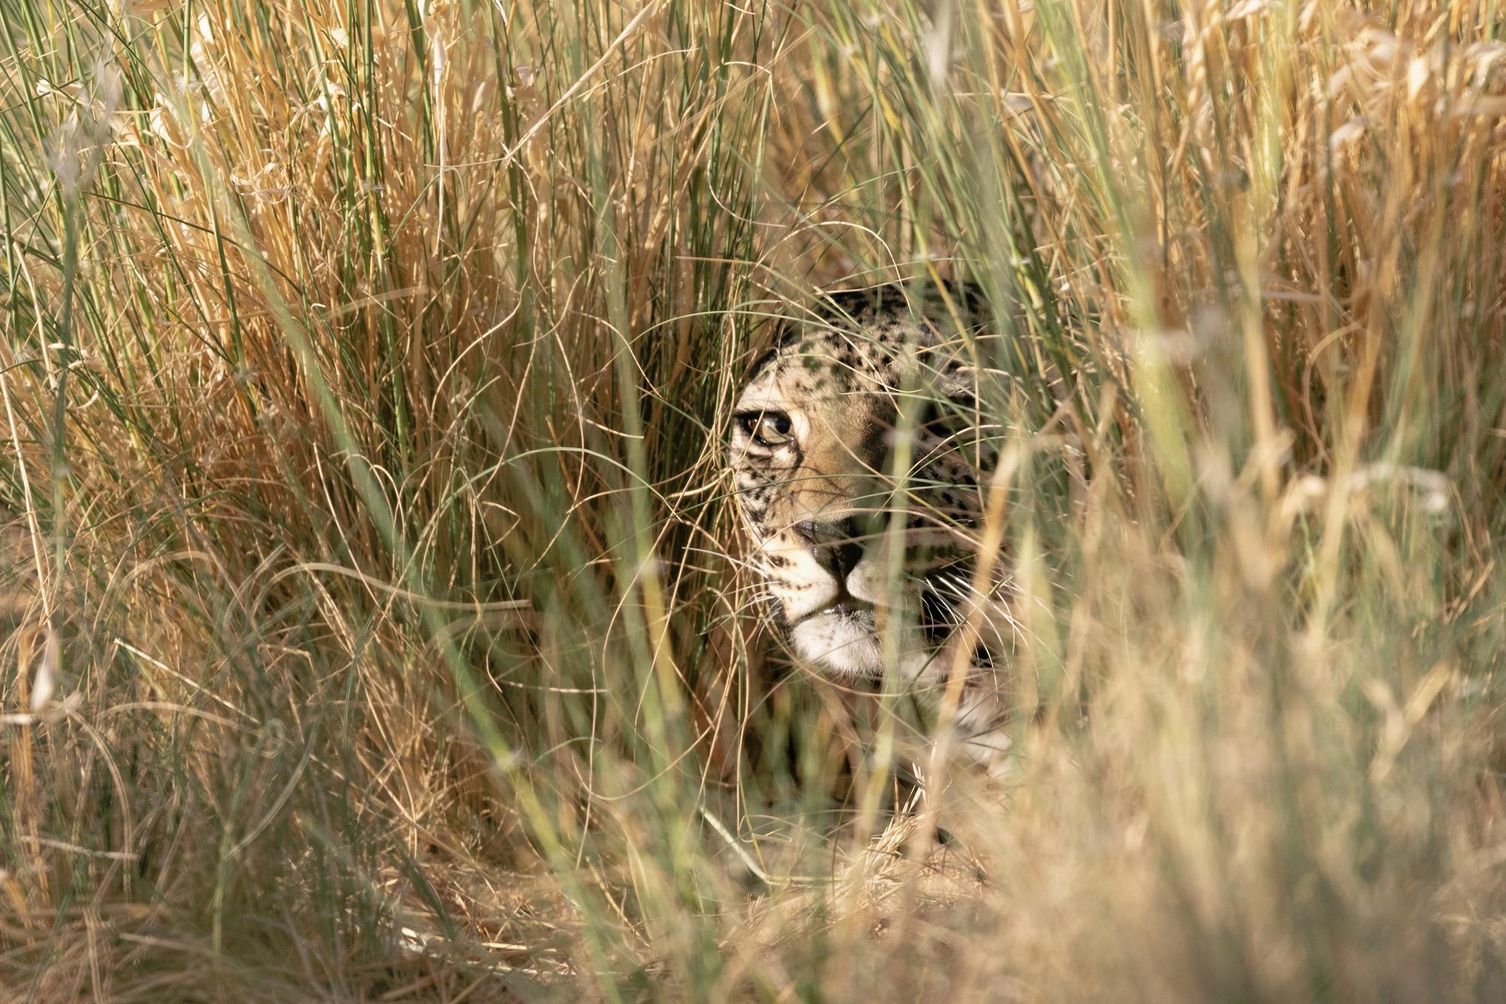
819 434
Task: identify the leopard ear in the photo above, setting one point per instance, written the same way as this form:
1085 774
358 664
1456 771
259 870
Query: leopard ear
959 384
949 367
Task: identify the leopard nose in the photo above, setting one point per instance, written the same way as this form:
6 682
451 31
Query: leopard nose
837 542
845 557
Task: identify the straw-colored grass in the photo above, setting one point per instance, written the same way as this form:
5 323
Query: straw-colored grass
372 624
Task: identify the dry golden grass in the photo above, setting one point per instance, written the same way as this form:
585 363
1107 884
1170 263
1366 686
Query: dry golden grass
373 619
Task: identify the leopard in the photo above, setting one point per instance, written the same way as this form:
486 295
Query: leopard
860 433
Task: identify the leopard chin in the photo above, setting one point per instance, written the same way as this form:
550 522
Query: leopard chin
842 640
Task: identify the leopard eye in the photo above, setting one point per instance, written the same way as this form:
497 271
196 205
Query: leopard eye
768 428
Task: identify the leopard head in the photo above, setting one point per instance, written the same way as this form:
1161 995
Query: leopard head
857 434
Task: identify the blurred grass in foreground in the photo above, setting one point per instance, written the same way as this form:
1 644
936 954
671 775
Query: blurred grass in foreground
373 619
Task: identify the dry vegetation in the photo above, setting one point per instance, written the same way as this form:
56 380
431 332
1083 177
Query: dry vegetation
368 620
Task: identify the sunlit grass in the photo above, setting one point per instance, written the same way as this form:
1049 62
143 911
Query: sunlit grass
374 617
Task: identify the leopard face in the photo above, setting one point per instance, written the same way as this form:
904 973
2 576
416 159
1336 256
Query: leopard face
857 435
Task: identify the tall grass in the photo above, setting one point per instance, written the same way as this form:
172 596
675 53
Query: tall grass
375 623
